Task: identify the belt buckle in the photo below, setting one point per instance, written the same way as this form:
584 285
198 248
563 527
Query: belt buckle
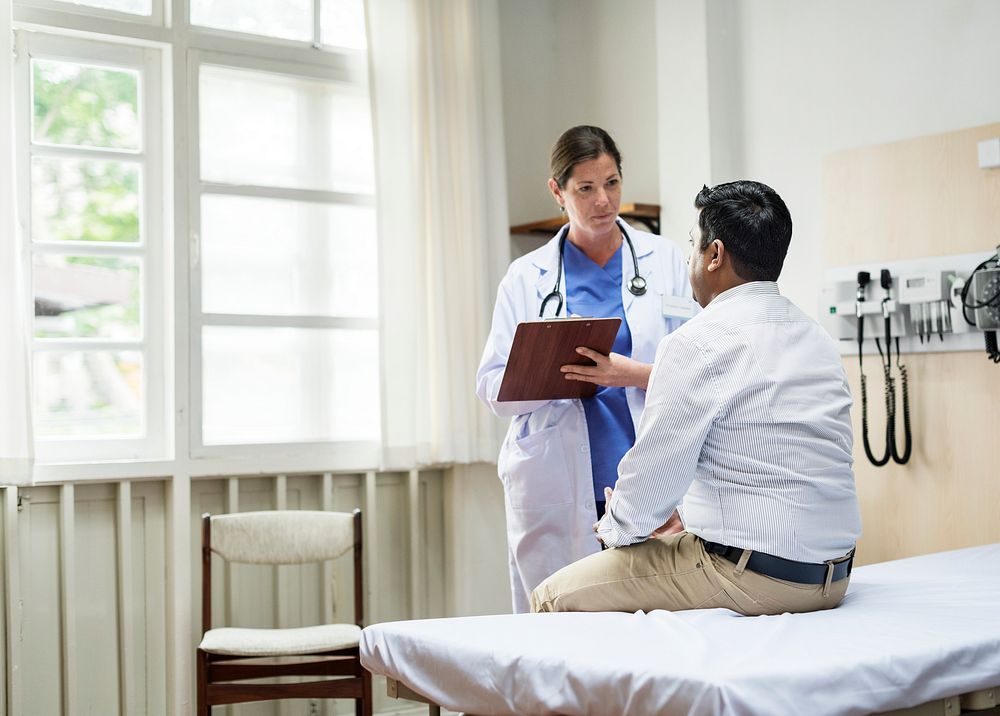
831 565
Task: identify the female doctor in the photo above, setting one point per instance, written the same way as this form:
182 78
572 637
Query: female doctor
559 455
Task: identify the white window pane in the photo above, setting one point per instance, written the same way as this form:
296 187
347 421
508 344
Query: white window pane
271 130
280 385
86 297
86 106
276 257
133 7
286 19
73 200
84 394
342 24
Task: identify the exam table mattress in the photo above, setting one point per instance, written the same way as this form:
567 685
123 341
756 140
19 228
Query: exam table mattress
908 632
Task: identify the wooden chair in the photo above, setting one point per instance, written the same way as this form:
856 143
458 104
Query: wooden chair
228 656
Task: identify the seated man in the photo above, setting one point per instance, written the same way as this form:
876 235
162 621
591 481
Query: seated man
747 420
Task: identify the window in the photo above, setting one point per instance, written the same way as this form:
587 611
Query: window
272 246
94 221
287 257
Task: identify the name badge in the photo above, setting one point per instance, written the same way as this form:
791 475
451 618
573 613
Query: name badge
678 307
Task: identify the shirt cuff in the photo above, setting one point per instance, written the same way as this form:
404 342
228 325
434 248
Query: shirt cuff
609 535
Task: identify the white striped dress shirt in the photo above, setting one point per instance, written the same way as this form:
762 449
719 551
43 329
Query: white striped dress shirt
747 421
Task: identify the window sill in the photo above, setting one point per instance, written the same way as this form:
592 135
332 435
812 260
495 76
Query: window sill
247 460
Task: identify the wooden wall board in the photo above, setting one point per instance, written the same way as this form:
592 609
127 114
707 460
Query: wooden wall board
909 199
914 198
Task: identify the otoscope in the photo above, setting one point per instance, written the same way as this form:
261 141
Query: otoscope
885 280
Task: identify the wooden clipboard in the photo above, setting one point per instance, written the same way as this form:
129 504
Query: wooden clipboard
540 348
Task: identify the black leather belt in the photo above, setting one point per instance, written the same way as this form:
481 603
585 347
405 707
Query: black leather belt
786 569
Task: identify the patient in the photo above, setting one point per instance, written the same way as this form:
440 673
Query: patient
746 432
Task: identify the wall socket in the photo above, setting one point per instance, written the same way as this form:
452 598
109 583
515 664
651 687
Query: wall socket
989 153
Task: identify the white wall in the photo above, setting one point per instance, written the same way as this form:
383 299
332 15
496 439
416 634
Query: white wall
789 82
569 62
685 141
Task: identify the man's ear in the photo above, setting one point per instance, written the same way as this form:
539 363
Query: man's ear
556 192
716 254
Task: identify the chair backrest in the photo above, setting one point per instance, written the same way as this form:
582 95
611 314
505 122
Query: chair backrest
282 536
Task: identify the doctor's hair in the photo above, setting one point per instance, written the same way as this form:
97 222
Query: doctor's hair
581 144
751 221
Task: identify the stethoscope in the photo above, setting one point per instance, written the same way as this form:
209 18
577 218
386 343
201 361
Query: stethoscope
636 286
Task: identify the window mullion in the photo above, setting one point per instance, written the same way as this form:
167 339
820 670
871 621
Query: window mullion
85 153
84 344
317 41
274 321
88 248
274 192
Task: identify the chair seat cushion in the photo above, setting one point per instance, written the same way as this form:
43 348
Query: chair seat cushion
235 641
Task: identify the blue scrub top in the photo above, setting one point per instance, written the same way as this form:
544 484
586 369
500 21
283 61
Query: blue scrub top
596 292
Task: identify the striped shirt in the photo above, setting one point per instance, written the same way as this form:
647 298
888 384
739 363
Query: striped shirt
747 428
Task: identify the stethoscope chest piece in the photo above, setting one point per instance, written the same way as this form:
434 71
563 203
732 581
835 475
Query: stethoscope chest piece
637 286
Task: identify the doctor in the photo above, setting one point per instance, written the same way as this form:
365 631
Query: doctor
559 455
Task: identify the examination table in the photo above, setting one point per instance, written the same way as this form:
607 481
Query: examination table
922 632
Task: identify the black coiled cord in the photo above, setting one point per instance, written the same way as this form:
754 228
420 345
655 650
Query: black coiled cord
891 451
876 461
907 433
992 350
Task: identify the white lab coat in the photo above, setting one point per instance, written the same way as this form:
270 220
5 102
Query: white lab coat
544 462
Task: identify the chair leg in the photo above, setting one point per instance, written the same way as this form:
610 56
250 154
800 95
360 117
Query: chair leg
363 706
204 709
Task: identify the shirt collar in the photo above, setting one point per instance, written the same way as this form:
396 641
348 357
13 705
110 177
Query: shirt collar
751 288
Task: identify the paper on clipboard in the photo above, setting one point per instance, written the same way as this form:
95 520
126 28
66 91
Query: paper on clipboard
540 348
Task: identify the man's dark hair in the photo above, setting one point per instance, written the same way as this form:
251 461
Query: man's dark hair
751 221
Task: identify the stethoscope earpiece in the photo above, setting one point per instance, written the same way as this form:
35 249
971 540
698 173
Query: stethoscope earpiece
636 286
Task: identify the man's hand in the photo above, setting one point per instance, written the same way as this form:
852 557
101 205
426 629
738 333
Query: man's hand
613 370
670 527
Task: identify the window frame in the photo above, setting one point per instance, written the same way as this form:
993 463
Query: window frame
156 17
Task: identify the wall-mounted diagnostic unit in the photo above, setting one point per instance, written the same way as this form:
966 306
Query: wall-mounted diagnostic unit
948 303
938 304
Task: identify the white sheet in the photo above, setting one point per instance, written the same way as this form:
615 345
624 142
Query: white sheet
908 632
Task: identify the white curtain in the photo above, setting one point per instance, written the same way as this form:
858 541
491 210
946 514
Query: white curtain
16 450
442 215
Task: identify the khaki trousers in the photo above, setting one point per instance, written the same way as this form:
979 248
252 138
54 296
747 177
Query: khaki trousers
674 573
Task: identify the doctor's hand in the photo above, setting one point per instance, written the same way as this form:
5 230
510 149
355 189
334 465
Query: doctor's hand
613 371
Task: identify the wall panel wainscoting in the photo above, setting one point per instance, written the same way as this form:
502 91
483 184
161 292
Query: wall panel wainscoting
92 577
